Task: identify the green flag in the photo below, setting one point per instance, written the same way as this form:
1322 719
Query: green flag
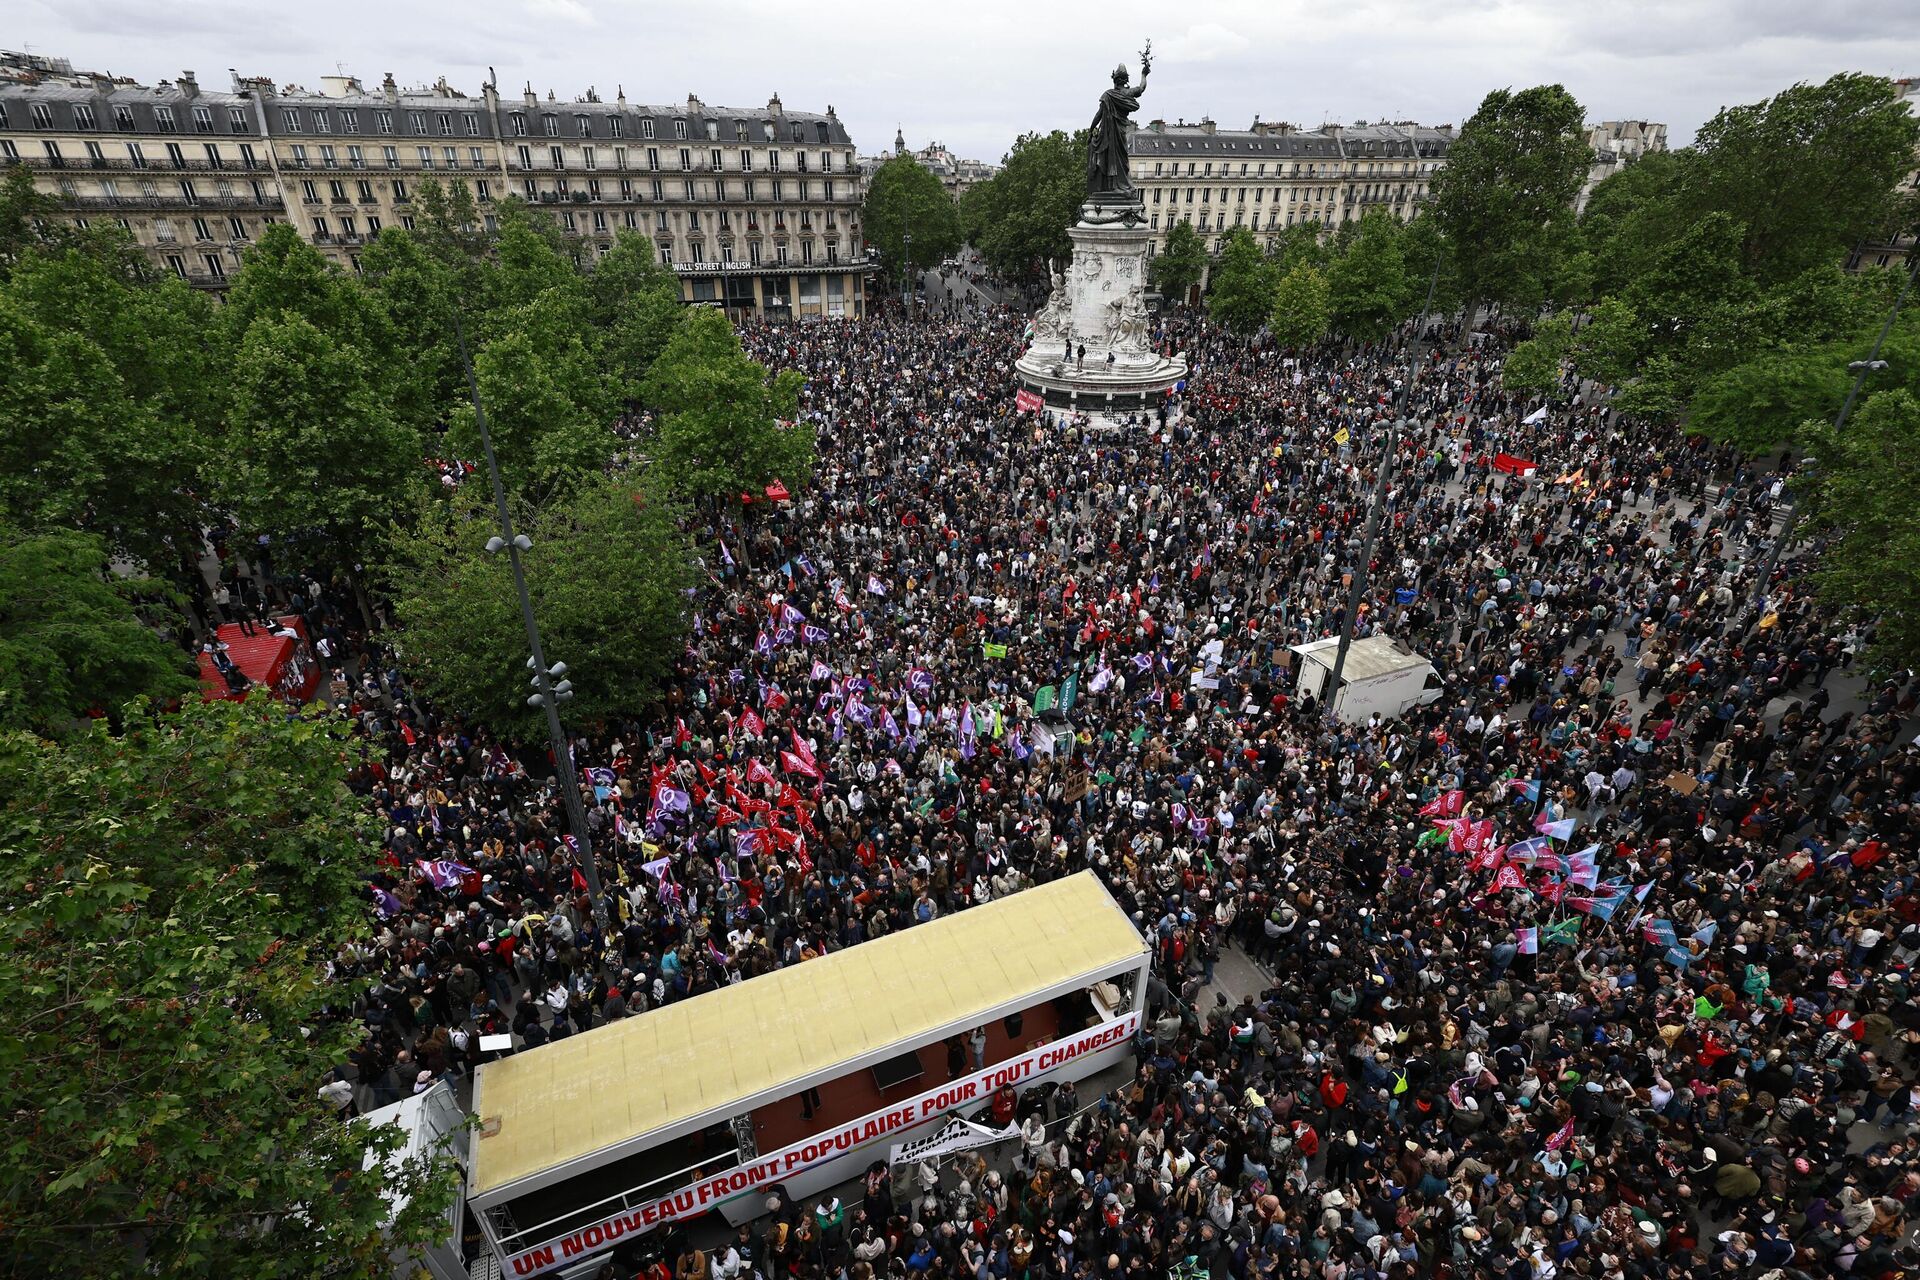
1705 1008
1432 836
1564 931
993 650
1044 697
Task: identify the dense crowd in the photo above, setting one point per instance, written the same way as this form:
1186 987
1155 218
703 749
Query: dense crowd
1597 964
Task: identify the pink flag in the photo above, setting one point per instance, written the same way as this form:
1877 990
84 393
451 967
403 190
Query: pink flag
1561 1138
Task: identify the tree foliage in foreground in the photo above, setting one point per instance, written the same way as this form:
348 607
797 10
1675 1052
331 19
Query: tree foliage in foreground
726 427
73 638
169 901
1867 476
607 575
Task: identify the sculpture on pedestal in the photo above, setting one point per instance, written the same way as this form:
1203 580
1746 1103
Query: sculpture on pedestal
1108 178
1056 317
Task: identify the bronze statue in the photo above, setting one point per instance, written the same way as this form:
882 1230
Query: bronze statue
1108 181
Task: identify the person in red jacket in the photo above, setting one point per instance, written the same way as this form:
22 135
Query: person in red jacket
1333 1092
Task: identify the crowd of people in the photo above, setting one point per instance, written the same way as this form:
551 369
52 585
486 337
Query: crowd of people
1597 963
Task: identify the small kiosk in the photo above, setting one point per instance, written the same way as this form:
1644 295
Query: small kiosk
698 1106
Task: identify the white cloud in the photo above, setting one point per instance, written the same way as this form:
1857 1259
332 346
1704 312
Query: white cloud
952 74
1203 42
565 10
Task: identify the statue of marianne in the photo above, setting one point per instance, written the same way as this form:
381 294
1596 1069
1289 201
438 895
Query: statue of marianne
1108 181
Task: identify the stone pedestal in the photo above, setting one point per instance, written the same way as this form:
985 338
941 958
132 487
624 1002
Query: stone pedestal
1099 303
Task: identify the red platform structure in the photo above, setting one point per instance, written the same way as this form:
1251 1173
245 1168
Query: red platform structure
283 663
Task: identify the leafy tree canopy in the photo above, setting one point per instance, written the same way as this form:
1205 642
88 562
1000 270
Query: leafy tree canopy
607 573
725 426
905 198
1180 265
1300 307
1241 296
169 901
1019 217
76 640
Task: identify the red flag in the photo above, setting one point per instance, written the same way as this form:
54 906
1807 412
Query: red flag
758 772
707 775
805 752
794 764
1447 805
752 723
725 815
681 733
579 881
1513 466
1561 1138
1509 878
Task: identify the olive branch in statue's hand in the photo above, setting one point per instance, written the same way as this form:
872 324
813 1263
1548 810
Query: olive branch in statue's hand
1146 60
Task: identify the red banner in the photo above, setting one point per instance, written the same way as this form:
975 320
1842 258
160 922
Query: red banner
1028 402
1513 466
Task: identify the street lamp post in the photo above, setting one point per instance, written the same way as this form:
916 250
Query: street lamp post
548 681
1394 424
906 272
1859 369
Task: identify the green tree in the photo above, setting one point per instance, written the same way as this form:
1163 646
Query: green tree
74 638
1809 173
725 427
549 399
1301 243
1632 214
1244 281
1019 217
1506 193
1368 291
313 456
1179 267
904 198
531 260
418 293
607 573
32 222
77 451
635 304
1867 477
1762 403
1609 348
170 900
1534 365
284 275
1301 307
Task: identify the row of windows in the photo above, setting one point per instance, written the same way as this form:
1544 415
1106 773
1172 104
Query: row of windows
1295 195
321 120
86 119
356 158
1331 169
517 124
445 124
175 156
713 161
689 190
1209 222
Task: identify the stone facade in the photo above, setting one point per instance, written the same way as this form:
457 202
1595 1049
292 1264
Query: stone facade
1616 144
1273 176
1092 343
756 209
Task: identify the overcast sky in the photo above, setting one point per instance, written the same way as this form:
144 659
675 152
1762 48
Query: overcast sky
975 75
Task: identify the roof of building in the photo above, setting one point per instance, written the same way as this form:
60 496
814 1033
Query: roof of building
737 1047
1367 658
350 110
1330 141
